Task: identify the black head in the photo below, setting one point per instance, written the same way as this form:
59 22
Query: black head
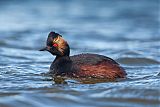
56 45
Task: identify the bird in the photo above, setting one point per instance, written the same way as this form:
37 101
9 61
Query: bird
85 65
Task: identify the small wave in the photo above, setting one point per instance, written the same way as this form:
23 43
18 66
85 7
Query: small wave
2 43
137 61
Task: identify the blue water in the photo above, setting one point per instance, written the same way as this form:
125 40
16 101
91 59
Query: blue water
125 30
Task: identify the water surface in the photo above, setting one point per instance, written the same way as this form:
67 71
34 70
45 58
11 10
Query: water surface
124 30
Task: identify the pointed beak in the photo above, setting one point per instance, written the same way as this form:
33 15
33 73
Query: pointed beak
44 49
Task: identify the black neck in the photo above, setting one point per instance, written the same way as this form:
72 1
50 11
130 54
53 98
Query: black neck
61 57
62 65
67 51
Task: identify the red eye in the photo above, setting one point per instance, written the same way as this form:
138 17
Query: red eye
55 45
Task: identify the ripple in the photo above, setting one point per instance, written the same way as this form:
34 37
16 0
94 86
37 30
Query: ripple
110 27
4 94
137 61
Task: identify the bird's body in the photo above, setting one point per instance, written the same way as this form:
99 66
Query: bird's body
82 65
87 66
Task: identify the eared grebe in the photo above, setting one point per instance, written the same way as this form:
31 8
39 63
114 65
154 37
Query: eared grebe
82 65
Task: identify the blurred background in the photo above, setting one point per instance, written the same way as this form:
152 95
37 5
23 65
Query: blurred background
125 30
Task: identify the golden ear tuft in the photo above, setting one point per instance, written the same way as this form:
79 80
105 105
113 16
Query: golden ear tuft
61 44
56 39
